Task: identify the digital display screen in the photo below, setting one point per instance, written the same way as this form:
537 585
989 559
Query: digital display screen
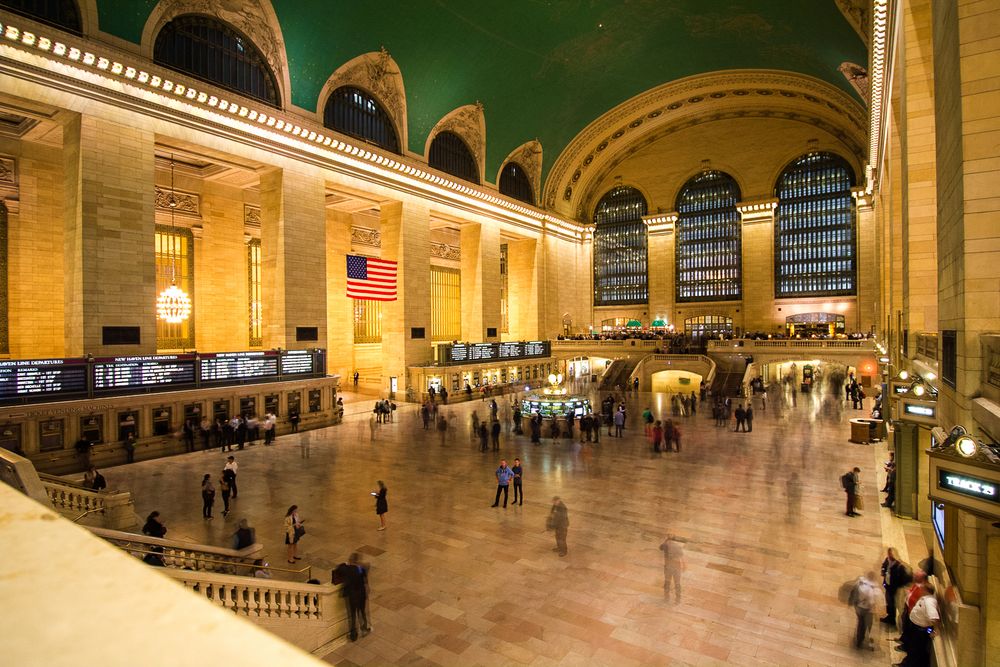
966 485
116 373
40 378
919 410
474 353
229 366
295 362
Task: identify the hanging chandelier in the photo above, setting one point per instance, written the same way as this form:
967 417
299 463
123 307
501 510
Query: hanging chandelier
173 305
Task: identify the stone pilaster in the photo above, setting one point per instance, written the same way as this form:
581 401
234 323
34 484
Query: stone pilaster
221 301
522 285
339 309
662 274
480 281
406 240
758 308
293 251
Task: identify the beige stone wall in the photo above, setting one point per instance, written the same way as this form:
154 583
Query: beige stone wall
523 257
339 310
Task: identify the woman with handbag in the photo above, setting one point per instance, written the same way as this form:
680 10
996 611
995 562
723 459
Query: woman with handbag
293 532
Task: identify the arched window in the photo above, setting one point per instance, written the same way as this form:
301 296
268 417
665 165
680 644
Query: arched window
514 183
815 236
212 51
451 155
708 246
353 111
620 260
63 14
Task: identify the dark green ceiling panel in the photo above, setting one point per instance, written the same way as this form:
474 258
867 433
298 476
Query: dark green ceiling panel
542 68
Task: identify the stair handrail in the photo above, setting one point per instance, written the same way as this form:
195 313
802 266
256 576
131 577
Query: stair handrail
187 554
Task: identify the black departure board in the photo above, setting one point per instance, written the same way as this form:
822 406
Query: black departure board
297 362
39 379
230 366
123 373
475 353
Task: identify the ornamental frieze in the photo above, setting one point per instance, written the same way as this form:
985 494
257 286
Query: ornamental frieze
446 251
181 203
366 236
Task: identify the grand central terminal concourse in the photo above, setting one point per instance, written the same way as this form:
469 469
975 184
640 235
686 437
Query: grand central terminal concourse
531 333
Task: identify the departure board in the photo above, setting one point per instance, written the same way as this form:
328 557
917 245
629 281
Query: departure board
39 379
475 353
123 373
297 362
235 366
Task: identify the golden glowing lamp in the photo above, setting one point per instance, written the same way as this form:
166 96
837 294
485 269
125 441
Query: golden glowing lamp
173 305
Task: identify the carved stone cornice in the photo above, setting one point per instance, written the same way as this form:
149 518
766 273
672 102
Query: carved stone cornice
694 100
366 236
184 203
446 251
378 74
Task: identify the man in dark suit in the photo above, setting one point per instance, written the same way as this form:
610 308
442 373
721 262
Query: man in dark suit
851 481
353 579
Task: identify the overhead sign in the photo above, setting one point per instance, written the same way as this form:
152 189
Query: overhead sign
229 366
41 379
125 373
477 353
963 482
967 485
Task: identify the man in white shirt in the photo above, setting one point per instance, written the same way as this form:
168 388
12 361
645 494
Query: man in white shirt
232 465
925 618
864 597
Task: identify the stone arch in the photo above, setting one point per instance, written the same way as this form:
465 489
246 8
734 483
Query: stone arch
377 74
591 156
469 123
254 18
529 157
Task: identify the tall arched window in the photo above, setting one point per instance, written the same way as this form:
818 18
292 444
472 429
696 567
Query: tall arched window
352 111
63 14
514 182
451 155
212 51
815 236
620 259
708 246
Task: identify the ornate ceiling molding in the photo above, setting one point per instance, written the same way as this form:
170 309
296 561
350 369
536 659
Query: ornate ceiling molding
691 101
529 156
379 75
858 15
254 18
469 123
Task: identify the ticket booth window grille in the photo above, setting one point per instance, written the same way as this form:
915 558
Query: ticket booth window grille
10 438
255 292
175 262
128 422
708 239
210 50
161 420
354 112
4 322
51 435
514 182
294 400
620 249
315 400
62 14
815 237
92 428
504 294
446 303
708 326
367 321
450 154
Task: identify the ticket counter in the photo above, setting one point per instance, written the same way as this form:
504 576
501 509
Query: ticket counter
501 376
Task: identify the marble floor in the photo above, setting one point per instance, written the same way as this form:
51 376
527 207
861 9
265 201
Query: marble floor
456 582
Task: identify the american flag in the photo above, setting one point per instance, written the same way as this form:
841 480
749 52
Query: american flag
371 278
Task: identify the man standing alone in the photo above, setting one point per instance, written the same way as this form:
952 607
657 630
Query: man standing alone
229 472
673 566
559 522
504 475
850 483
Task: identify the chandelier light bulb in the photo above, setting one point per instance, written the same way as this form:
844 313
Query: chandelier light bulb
173 305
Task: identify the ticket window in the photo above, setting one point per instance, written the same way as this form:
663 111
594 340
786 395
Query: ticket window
271 404
454 382
315 400
51 435
192 413
128 422
161 421
220 410
248 407
475 379
10 438
92 428
503 376
294 402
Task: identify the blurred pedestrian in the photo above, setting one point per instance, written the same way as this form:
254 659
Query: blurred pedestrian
863 598
381 504
673 565
559 522
207 496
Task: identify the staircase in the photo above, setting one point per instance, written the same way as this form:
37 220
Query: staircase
618 373
186 555
104 509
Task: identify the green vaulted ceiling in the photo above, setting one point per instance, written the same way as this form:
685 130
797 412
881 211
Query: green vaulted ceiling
542 68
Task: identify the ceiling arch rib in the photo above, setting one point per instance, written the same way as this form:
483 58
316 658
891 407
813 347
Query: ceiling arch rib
660 111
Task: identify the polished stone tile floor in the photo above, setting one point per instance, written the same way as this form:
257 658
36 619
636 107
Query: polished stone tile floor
456 582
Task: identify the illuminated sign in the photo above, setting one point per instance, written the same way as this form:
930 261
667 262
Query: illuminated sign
966 485
477 353
919 410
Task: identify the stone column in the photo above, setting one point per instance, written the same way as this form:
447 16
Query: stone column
339 308
109 246
293 253
221 302
867 257
406 240
480 246
662 273
758 306
522 287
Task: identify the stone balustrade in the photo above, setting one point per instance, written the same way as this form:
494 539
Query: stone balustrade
308 615
590 344
106 509
748 345
179 554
